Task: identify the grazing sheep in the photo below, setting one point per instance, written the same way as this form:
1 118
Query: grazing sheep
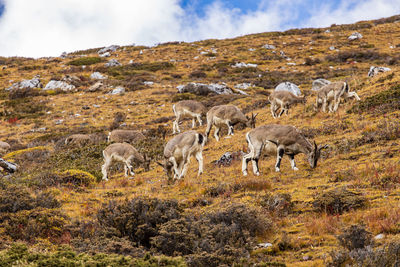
279 140
123 152
188 108
331 95
283 100
128 136
78 139
227 115
178 151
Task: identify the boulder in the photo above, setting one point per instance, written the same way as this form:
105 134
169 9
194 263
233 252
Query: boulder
355 36
111 48
8 166
375 70
33 83
205 89
227 158
290 87
113 63
106 54
4 147
268 46
97 76
64 86
64 55
319 83
244 65
243 86
118 90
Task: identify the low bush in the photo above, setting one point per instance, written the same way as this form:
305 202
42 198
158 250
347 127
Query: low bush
355 237
338 200
383 102
280 204
357 55
24 108
85 61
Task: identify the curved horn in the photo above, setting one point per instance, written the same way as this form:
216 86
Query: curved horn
162 165
315 145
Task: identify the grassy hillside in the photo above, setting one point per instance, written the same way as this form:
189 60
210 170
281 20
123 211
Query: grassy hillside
56 209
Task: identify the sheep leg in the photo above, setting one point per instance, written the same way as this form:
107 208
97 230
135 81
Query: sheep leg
104 169
280 152
273 110
216 133
255 159
324 105
199 158
230 128
199 120
248 157
193 123
185 167
293 163
176 125
208 130
175 166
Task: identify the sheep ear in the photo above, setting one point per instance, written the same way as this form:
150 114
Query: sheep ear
255 115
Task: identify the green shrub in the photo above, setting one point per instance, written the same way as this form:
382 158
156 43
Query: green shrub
85 61
383 102
338 200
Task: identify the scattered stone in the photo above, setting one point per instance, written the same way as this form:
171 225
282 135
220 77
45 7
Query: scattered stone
332 48
96 87
33 83
130 61
64 55
113 63
355 36
227 158
375 70
57 122
118 90
306 258
290 87
264 245
328 31
244 65
252 49
268 46
97 76
85 107
8 166
380 236
291 64
96 106
243 86
148 83
106 54
205 89
111 48
319 83
64 86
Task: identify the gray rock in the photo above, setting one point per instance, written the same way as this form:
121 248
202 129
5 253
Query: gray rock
268 46
380 236
97 76
205 89
106 54
375 70
113 63
64 55
355 36
8 166
244 65
264 245
118 90
33 83
290 87
319 83
227 158
332 48
111 48
148 83
53 85
243 86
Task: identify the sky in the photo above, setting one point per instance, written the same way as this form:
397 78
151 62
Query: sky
37 28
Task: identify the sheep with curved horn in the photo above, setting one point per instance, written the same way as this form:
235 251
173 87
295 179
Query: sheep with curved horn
279 140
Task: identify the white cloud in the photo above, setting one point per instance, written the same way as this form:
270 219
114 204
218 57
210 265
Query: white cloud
49 27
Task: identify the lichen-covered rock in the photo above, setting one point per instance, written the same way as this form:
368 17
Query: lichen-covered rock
290 87
117 91
355 36
64 86
205 89
113 63
111 48
244 65
97 76
33 83
268 46
96 87
375 70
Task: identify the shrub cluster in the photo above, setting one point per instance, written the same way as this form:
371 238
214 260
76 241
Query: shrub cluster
85 61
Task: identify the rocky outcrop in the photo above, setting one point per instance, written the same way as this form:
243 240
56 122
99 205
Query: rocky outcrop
113 63
118 90
205 89
244 65
33 83
375 70
111 48
290 87
97 76
355 36
269 46
64 86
